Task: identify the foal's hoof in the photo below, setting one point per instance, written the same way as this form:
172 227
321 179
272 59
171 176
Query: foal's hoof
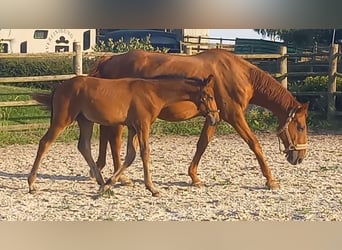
125 181
197 183
156 194
273 184
32 190
106 191
104 188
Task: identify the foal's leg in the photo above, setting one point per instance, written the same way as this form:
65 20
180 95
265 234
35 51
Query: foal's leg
206 135
114 136
143 137
129 159
241 126
132 145
105 133
84 146
115 141
44 145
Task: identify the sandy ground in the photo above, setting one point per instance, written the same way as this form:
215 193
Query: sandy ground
234 186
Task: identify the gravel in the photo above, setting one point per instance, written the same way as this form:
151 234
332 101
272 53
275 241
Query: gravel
234 188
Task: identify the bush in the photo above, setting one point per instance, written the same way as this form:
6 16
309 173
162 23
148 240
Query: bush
120 46
39 66
316 84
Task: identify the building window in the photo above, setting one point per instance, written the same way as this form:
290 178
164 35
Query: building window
3 48
86 40
23 47
40 34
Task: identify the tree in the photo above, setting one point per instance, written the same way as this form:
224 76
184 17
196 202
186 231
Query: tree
300 37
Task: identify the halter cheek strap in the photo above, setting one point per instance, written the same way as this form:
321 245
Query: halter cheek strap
208 110
285 129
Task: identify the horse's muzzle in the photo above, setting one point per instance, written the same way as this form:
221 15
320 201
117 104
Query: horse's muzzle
294 157
213 117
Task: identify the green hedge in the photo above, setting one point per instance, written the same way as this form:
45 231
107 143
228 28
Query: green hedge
316 84
39 66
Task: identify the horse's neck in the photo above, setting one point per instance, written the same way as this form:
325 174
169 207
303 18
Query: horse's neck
268 93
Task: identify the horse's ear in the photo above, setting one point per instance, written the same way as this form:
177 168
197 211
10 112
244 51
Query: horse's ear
304 107
209 79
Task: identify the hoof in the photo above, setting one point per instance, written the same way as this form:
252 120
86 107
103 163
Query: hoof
273 185
32 190
106 191
197 183
156 194
104 188
125 181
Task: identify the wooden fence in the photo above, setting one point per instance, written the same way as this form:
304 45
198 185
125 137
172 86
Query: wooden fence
190 48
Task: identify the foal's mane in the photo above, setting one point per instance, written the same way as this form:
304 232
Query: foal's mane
268 91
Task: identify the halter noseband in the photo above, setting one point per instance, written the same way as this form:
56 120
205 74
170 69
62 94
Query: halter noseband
208 110
285 128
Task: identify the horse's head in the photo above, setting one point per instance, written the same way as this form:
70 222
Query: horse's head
294 134
208 106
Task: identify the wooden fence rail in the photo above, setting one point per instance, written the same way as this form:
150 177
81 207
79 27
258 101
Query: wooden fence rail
281 58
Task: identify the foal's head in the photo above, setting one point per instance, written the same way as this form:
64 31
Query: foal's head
294 134
207 104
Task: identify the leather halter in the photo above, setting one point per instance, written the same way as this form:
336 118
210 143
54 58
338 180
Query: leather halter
285 129
208 110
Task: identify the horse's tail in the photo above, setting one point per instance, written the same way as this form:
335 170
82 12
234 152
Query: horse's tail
95 70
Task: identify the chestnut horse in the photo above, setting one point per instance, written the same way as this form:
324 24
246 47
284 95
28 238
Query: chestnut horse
237 84
133 102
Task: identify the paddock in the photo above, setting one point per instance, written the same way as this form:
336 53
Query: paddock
234 188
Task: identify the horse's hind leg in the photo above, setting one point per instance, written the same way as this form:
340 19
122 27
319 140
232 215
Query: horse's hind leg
115 141
132 145
206 135
130 156
84 146
44 145
113 135
105 134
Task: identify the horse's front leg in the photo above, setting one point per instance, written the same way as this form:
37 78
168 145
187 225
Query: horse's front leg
241 126
205 137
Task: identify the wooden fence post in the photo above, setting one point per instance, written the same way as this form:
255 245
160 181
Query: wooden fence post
332 81
77 58
188 50
283 66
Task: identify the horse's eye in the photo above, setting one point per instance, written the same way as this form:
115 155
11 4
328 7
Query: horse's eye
300 128
203 99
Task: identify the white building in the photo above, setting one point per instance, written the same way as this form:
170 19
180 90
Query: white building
45 40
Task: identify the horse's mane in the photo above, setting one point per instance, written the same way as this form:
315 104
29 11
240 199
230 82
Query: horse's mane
175 77
96 68
267 90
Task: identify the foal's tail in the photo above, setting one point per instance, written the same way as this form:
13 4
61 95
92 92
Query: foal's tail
44 98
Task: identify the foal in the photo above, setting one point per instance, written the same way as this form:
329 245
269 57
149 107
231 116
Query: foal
133 102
